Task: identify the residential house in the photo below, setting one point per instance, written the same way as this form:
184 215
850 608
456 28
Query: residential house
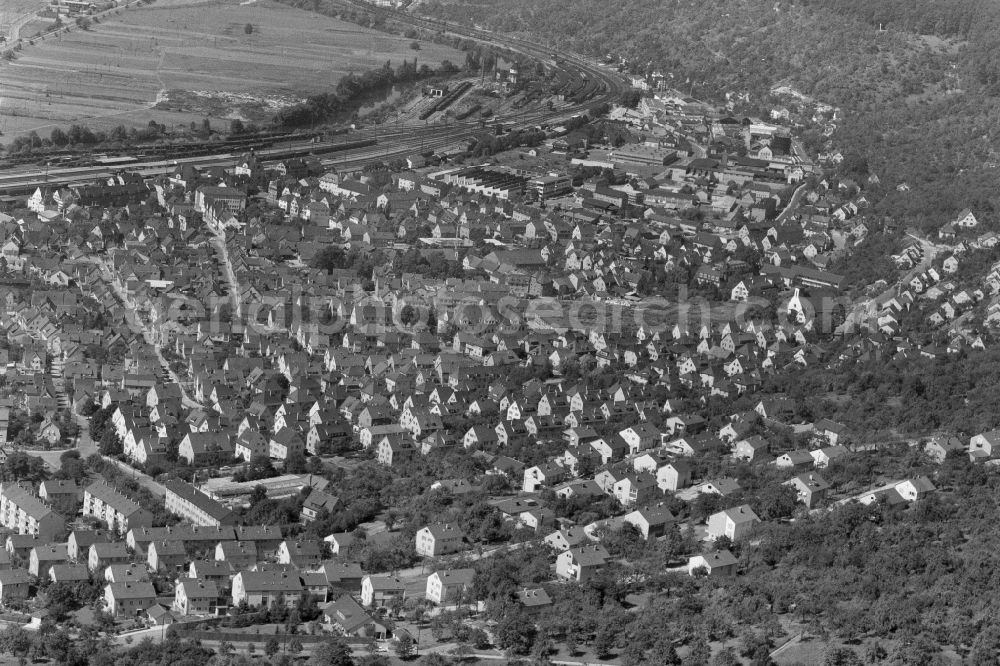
915 489
565 538
42 558
582 562
734 523
302 554
102 554
534 601
196 597
810 488
940 447
349 618
14 585
170 556
381 591
674 476
439 539
720 563
128 599
651 521
449 585
266 588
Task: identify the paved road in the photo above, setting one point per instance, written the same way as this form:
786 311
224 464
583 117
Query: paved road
787 644
218 240
144 480
793 203
137 326
14 32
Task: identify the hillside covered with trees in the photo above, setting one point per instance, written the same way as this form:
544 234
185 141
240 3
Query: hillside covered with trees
918 98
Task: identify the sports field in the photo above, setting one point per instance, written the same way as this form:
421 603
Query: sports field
175 61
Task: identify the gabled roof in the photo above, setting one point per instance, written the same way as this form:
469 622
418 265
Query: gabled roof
741 514
190 494
718 558
14 577
445 531
347 613
590 555
133 590
810 481
195 588
456 576
270 581
385 583
534 597
339 571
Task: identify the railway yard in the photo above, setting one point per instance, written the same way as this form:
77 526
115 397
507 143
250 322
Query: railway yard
425 124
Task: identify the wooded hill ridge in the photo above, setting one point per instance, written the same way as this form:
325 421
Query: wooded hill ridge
918 95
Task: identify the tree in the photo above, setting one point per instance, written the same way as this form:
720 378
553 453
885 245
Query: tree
329 258
333 652
272 647
258 495
604 642
294 645
16 641
58 137
20 466
461 652
776 501
875 653
633 654
111 443
374 660
403 646
701 651
665 653
726 657
516 632
835 656
295 462
248 29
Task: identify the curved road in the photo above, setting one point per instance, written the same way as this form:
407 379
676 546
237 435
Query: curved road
793 203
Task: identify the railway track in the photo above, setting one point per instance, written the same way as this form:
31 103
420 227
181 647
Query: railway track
600 86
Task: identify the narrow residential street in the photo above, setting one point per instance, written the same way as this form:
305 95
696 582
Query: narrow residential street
219 243
793 204
138 327
144 480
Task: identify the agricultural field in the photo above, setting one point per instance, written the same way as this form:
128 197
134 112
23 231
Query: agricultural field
178 61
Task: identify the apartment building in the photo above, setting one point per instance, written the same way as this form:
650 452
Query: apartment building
184 500
22 512
119 511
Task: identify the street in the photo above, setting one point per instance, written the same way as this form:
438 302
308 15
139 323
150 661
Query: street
137 327
793 203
